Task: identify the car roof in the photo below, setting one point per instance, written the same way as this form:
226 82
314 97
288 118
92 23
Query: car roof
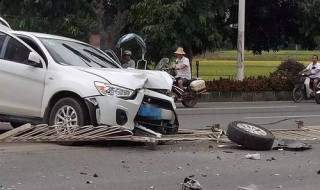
43 35
4 26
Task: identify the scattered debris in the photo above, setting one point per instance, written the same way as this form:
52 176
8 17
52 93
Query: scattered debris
204 175
83 173
218 157
250 187
271 159
222 146
191 176
179 167
227 151
191 184
253 156
291 145
89 182
280 187
318 172
210 146
300 124
95 175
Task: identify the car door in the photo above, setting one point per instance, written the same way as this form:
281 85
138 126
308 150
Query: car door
21 83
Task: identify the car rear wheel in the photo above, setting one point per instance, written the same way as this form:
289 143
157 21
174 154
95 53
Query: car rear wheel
66 113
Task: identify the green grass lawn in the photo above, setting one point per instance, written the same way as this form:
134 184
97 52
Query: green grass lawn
224 63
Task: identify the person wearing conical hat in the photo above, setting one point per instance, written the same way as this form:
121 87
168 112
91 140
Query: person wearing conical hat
182 67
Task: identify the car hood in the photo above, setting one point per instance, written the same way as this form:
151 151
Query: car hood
133 78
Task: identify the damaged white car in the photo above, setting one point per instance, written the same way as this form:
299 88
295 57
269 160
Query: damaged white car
61 81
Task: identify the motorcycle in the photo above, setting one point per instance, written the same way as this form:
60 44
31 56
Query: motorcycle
303 90
190 93
318 94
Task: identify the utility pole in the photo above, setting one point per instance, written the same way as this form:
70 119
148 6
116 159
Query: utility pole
240 45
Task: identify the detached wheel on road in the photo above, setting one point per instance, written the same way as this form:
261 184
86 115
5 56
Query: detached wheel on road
250 135
317 98
297 94
68 112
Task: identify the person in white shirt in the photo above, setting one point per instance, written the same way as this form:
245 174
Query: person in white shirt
314 69
128 62
182 67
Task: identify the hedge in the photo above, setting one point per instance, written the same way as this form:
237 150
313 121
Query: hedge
262 83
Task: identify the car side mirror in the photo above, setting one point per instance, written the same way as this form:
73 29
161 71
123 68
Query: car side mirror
34 59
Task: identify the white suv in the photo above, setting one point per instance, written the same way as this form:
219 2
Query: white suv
61 81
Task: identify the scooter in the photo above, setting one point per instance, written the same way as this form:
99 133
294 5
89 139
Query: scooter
190 93
303 90
318 94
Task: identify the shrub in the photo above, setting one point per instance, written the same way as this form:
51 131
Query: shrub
289 69
262 83
283 79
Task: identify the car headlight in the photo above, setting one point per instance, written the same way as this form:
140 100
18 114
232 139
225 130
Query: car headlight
108 89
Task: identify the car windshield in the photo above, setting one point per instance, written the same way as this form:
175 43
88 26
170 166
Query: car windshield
77 54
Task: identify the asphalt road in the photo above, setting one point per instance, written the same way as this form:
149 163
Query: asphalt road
268 114
128 166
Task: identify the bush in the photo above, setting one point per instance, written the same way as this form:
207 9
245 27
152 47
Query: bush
283 79
271 83
289 69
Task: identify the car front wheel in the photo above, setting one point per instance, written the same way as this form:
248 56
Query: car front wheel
67 112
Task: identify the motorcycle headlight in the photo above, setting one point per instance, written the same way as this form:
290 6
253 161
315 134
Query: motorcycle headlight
108 89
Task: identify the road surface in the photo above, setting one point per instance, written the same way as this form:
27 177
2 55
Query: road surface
268 114
113 166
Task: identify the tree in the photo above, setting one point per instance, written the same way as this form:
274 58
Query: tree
268 24
308 23
71 18
195 25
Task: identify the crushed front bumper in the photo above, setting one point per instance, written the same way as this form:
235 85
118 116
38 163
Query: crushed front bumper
150 109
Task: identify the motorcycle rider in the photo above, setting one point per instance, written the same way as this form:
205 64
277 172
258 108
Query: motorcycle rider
314 69
182 67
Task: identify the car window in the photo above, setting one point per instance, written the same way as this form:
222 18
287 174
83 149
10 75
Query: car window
34 46
16 51
2 37
77 54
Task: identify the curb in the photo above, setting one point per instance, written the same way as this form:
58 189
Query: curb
247 96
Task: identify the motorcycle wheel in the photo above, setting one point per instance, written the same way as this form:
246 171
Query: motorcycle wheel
190 103
317 98
297 94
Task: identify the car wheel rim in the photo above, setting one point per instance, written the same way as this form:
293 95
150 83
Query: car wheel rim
66 116
252 129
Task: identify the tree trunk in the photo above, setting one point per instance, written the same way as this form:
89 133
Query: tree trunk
111 34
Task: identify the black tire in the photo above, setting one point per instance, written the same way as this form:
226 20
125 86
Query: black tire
172 131
77 106
236 133
189 101
317 98
16 124
297 94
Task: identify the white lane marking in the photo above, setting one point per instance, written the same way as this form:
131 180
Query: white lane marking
285 116
234 108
